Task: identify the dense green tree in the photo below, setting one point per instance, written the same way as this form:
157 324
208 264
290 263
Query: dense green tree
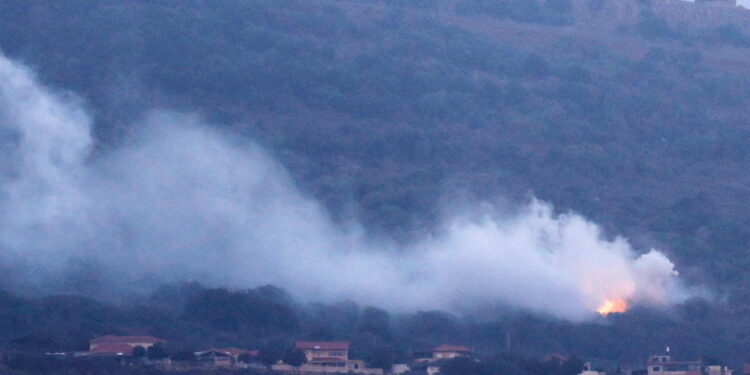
273 351
184 356
295 358
232 311
460 366
375 320
386 108
157 351
139 352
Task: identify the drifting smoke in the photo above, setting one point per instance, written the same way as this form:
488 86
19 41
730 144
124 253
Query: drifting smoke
180 201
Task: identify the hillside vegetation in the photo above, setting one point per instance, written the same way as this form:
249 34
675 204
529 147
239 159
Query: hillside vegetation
385 109
191 318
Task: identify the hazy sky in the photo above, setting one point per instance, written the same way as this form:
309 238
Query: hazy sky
179 200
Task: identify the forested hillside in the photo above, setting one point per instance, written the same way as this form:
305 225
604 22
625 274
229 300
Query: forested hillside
390 110
192 318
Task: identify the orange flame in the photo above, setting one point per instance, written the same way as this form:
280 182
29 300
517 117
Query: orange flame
612 306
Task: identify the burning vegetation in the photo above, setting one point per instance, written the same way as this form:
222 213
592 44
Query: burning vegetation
610 306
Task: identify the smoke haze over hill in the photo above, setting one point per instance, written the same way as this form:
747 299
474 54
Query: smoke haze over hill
180 201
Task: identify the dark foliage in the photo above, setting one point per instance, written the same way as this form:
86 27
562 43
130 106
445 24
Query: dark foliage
295 358
184 356
393 105
139 352
624 338
512 364
232 311
157 351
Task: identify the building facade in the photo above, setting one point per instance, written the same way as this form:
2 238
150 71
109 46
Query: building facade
331 353
120 345
666 365
442 352
327 358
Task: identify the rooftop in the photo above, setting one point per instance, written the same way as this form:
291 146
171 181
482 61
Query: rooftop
323 345
113 349
451 348
234 351
125 339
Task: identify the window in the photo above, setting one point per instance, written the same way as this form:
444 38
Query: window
656 368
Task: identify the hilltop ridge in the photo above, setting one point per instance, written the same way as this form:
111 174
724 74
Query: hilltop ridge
386 109
389 113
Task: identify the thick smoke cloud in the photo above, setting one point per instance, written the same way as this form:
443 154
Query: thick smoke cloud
180 201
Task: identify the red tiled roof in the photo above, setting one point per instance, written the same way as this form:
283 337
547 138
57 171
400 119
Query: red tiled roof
125 339
213 353
254 353
450 348
324 345
233 351
112 349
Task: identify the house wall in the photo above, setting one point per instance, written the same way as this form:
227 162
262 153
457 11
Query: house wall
313 354
673 368
350 367
145 345
223 361
446 355
718 370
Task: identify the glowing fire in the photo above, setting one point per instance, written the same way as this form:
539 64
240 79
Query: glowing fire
612 306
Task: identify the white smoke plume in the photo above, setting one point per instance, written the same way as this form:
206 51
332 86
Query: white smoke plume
180 201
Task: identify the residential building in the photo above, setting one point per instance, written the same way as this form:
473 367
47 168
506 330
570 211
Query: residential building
589 370
111 345
666 365
216 358
400 368
224 357
327 358
428 361
331 353
425 368
450 352
717 370
442 352
237 352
